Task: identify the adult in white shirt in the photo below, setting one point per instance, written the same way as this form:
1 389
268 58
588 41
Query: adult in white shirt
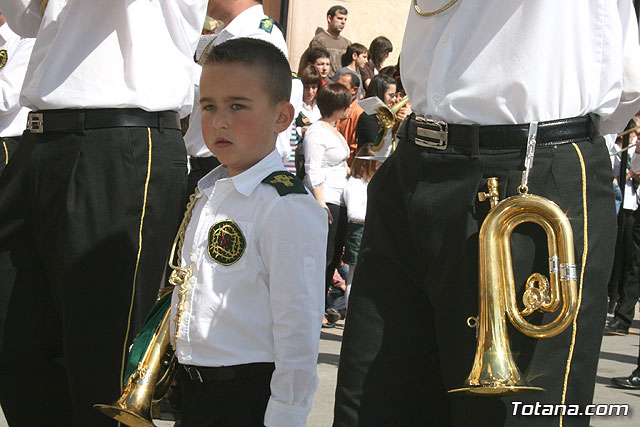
104 167
325 164
243 18
14 56
487 69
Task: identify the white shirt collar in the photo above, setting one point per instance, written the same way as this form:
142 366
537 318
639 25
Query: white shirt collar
239 23
246 181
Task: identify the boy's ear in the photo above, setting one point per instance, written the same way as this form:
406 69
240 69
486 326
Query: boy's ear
284 117
354 56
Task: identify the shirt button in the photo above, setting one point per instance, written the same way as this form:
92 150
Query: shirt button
436 99
445 39
193 257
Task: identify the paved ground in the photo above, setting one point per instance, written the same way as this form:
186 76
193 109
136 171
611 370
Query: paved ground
617 358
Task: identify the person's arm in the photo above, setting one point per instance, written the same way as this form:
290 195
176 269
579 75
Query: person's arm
23 16
314 148
293 249
630 97
12 75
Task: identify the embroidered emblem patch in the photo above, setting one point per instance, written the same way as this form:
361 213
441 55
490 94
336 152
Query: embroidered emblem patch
266 24
226 242
4 56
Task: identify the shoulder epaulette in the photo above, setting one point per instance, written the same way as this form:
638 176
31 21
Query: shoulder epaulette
267 25
285 183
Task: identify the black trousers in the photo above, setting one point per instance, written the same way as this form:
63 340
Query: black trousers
400 355
335 242
629 287
239 402
8 146
100 210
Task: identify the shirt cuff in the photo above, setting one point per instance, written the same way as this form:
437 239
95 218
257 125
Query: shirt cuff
280 414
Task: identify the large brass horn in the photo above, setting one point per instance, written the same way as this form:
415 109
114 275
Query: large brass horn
494 371
150 382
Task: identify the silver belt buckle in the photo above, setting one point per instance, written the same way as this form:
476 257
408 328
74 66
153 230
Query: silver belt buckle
434 137
35 123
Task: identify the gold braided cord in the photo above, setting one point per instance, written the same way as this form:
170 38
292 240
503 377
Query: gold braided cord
180 276
6 153
435 12
43 6
585 249
135 274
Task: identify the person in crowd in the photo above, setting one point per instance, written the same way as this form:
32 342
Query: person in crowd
379 51
246 329
14 57
353 59
93 194
367 130
347 126
623 286
310 113
355 198
475 106
321 59
241 18
331 40
325 163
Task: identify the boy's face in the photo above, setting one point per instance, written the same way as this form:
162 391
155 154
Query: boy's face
323 65
239 123
361 59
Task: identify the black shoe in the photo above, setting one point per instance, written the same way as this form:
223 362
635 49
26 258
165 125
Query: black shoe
332 315
631 382
616 327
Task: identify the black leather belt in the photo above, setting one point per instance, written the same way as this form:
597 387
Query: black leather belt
203 163
226 373
72 120
440 135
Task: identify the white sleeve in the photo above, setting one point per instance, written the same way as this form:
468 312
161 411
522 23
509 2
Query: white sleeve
23 16
355 198
314 146
12 75
293 249
630 98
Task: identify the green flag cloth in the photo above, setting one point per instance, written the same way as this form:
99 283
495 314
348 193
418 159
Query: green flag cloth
151 323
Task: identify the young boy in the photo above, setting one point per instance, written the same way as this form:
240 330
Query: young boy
321 58
353 59
247 322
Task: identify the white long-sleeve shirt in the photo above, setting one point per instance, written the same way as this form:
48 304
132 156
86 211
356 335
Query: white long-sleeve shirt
17 51
109 54
522 60
266 305
325 162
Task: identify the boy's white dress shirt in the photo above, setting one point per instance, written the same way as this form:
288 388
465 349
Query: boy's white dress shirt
268 305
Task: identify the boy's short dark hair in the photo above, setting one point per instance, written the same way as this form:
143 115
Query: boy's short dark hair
311 76
356 48
317 52
270 62
333 97
337 9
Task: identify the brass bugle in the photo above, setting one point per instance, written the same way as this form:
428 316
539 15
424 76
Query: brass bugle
149 383
387 117
494 371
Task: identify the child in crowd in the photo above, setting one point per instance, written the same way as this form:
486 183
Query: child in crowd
355 197
353 59
246 320
321 58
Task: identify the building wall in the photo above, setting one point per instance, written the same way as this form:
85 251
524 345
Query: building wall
367 19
